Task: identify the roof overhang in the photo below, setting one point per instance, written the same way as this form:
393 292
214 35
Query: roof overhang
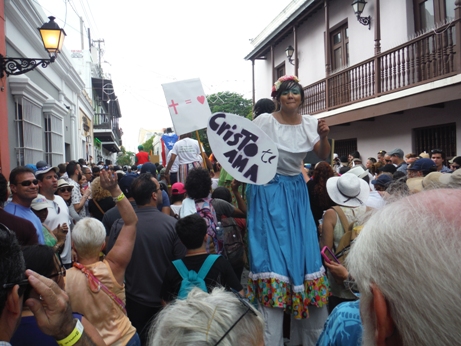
111 146
294 14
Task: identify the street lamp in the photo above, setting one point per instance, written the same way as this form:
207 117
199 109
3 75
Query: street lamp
52 38
289 51
358 6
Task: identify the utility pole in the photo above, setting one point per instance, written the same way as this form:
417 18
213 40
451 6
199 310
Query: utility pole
81 34
99 55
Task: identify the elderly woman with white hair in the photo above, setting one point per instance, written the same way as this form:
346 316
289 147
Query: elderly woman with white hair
96 288
219 318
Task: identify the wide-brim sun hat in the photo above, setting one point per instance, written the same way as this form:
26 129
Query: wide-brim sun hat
358 171
63 183
348 190
415 184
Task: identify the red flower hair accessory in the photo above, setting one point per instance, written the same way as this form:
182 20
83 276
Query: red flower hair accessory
279 82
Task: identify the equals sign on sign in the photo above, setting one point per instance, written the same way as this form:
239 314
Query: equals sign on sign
188 102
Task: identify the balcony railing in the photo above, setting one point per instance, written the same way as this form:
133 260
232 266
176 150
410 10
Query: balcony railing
107 122
421 60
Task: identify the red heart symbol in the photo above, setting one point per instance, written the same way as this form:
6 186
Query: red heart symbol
201 99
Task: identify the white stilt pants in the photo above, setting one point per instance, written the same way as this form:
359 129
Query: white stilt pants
303 332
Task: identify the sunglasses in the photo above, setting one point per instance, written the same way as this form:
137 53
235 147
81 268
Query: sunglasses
388 161
454 167
28 182
65 189
56 207
248 307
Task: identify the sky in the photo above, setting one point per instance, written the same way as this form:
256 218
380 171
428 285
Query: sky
147 43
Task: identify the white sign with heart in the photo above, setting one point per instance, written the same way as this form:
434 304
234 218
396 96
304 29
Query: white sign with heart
242 148
187 104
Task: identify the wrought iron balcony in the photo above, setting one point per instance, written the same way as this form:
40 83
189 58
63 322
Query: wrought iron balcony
106 129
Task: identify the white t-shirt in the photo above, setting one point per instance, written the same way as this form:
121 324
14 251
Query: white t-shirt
58 213
176 208
187 151
175 165
293 141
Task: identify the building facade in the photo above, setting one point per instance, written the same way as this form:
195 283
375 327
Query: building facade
50 113
392 79
43 104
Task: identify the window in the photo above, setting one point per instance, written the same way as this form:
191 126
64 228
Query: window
344 147
436 137
29 133
428 13
54 142
280 70
339 47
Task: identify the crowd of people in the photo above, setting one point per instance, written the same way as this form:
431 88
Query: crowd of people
99 254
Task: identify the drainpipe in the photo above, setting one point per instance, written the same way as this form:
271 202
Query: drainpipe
4 144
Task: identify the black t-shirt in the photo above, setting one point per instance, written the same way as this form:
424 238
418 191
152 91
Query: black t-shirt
220 274
105 204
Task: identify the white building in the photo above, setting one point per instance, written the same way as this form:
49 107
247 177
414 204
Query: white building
43 104
397 85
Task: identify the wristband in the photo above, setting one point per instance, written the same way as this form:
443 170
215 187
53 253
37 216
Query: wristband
73 337
119 198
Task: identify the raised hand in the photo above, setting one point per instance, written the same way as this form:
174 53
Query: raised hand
53 313
322 128
108 180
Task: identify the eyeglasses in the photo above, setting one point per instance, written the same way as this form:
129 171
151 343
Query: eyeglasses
28 182
60 273
388 161
382 152
248 307
22 286
65 189
351 285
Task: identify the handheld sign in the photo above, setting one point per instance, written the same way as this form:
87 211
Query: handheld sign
187 104
242 148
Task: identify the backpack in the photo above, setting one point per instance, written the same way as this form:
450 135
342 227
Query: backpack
351 231
190 278
207 212
233 247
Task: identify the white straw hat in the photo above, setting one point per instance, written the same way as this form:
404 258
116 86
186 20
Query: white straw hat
348 190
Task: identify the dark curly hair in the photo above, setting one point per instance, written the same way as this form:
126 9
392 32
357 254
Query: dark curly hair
198 183
322 172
